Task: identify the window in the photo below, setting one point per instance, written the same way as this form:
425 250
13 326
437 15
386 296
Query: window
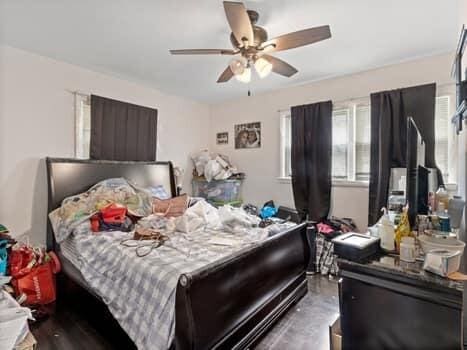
340 143
443 137
351 141
82 125
286 132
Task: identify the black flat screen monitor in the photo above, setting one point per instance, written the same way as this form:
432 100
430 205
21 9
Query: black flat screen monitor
416 172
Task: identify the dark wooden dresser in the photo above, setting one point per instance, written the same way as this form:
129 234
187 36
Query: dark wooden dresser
386 303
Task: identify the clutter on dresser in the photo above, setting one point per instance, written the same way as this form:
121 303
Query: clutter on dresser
433 239
355 246
386 233
442 262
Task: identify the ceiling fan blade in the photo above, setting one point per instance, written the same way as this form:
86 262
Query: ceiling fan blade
297 39
239 21
280 67
203 52
225 76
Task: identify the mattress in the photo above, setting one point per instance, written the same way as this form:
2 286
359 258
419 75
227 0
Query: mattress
69 250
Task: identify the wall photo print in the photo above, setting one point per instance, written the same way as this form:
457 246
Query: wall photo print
248 135
222 138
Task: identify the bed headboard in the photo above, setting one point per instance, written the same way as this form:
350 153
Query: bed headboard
67 177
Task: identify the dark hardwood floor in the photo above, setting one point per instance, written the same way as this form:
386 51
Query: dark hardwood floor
304 326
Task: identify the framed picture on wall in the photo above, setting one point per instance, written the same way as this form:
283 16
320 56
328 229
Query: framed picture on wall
248 135
222 138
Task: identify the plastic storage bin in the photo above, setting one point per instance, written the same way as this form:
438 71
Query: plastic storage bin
218 192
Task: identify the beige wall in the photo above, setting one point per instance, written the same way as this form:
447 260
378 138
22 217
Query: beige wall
37 120
262 165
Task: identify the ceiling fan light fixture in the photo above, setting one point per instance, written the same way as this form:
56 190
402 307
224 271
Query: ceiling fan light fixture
263 67
237 66
245 77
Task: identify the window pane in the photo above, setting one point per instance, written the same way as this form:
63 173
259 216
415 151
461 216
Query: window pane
362 143
340 140
441 134
86 116
83 127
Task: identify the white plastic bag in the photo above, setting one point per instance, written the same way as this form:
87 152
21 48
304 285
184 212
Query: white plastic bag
212 170
200 215
13 321
201 159
234 219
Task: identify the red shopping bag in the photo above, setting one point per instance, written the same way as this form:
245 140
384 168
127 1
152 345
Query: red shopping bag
21 261
38 284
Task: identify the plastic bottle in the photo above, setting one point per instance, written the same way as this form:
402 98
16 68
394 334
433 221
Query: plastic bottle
407 249
456 210
386 233
441 196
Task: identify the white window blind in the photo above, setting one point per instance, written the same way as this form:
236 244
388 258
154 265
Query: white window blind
82 126
340 144
286 134
443 129
362 142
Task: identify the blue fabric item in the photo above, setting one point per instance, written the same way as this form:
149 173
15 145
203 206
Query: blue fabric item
268 212
3 257
159 192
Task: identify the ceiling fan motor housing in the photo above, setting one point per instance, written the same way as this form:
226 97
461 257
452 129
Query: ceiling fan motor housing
260 35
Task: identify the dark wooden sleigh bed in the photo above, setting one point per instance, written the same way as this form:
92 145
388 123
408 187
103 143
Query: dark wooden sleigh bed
226 305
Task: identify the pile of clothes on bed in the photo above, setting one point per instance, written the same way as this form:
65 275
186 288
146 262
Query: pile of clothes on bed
132 244
326 260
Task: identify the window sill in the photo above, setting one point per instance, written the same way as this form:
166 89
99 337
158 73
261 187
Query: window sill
451 187
343 183
335 183
284 179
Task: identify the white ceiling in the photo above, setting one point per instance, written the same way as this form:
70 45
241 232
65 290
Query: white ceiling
131 38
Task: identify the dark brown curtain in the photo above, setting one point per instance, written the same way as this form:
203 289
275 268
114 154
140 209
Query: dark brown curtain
122 131
389 112
311 159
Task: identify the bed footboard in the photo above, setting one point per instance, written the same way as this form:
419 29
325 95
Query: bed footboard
229 305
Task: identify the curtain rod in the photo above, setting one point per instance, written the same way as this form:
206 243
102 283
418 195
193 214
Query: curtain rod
366 96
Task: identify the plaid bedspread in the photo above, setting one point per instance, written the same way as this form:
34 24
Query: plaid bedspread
140 292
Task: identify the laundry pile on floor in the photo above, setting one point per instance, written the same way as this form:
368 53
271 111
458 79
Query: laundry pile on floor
23 270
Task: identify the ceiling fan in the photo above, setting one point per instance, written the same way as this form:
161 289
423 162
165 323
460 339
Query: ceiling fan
251 43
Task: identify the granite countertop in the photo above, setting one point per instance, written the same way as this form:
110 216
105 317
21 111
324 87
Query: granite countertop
391 264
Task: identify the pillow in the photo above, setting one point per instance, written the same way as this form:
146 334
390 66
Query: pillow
172 207
158 192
